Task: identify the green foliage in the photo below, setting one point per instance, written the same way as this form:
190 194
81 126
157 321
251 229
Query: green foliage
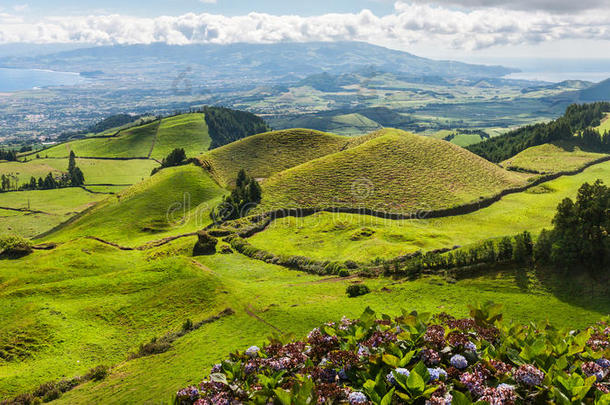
14 246
576 118
206 244
244 197
226 125
175 158
580 234
356 290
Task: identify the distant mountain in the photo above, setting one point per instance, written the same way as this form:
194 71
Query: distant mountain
597 92
263 60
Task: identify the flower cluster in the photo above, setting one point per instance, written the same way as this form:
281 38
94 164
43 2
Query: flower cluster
416 359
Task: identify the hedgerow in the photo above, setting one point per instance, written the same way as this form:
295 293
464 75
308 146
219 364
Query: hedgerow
418 359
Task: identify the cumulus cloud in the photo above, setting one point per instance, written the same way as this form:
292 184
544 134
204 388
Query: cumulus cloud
409 24
553 6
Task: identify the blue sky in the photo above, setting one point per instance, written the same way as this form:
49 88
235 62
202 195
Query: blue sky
153 8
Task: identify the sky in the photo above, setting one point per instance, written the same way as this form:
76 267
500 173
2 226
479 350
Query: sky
473 30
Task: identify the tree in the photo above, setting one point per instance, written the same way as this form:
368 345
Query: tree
524 247
243 197
77 178
505 249
175 158
33 184
71 162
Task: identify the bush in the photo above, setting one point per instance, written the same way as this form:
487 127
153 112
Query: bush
343 273
356 290
187 325
14 246
98 373
206 244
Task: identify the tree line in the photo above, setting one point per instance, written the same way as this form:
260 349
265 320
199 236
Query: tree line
577 119
9 155
73 178
226 125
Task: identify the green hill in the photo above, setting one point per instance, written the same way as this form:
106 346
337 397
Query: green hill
175 200
265 154
551 158
396 172
187 131
133 142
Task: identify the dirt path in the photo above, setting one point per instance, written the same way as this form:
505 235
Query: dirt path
152 147
250 312
147 245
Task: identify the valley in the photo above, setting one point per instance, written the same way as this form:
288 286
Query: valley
113 274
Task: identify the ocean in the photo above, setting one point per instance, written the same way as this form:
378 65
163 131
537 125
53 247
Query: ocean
27 79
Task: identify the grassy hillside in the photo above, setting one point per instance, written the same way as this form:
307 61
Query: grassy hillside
356 237
175 200
187 131
551 158
397 172
265 154
96 171
57 206
279 297
604 125
85 304
133 142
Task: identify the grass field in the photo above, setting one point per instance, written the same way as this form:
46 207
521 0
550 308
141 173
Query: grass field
94 318
605 124
96 171
133 142
397 172
265 154
551 158
187 131
58 206
339 237
173 201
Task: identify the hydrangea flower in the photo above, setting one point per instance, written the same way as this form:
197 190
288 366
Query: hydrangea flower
603 363
458 361
437 373
252 351
529 375
363 351
470 347
342 374
390 377
356 398
595 369
217 368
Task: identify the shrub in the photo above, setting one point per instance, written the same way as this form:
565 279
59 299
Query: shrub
98 373
356 290
343 273
187 325
206 244
14 246
418 359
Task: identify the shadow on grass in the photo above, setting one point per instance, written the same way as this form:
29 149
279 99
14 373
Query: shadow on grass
588 290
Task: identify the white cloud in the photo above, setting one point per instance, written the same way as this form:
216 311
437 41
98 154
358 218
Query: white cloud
410 24
19 8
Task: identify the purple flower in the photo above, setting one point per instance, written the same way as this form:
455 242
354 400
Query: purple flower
603 363
459 361
390 377
529 375
342 374
363 351
252 351
217 368
356 398
595 369
470 347
437 373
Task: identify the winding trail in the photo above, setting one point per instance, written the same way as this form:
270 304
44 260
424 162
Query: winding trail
250 311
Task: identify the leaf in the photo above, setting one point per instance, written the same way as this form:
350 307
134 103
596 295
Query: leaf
560 398
387 399
460 399
219 378
416 383
391 360
283 396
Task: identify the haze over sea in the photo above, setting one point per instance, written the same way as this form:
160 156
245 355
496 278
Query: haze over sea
26 79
